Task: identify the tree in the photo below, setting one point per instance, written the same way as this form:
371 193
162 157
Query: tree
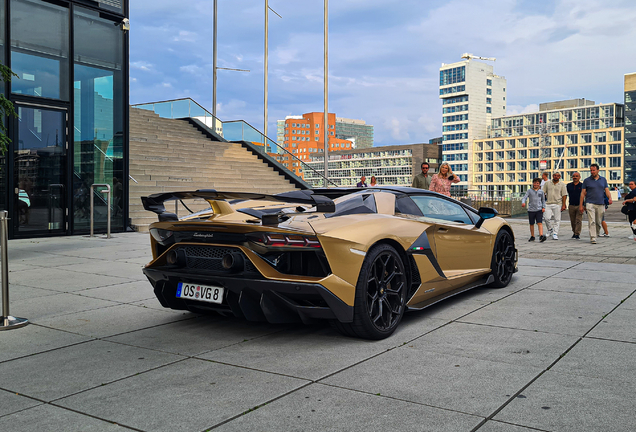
6 109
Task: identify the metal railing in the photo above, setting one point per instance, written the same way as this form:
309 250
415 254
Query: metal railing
235 130
505 202
107 192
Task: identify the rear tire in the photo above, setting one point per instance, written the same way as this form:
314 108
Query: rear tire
502 264
380 299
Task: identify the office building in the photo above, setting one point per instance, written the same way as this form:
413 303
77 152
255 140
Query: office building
569 138
391 165
71 97
303 136
630 127
471 96
357 131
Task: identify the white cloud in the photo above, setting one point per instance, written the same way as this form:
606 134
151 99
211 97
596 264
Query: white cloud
519 109
142 65
185 36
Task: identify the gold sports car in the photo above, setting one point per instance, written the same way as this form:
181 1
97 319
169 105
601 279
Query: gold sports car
357 257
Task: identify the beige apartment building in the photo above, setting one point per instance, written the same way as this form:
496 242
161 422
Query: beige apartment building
567 136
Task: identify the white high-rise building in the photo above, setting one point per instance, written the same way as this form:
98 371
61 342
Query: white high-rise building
471 96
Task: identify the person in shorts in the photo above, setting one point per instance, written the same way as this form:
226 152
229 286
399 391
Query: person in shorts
536 206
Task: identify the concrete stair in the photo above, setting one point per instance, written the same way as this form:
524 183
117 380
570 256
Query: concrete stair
171 155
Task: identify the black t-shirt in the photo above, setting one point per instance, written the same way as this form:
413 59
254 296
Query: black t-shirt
574 192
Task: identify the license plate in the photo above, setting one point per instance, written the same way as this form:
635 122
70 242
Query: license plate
206 293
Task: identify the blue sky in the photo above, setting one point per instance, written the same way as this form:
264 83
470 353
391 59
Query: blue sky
384 56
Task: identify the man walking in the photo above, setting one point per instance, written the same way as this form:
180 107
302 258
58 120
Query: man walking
555 196
594 187
422 180
576 217
362 182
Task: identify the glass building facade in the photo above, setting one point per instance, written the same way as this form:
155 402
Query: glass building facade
71 100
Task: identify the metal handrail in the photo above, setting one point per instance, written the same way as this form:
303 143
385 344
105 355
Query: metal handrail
133 179
297 159
266 139
107 186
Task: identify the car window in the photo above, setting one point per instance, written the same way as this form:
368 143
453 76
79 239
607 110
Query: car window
354 204
441 209
405 205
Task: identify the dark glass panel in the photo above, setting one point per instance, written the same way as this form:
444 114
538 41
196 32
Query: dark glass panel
98 118
39 49
40 165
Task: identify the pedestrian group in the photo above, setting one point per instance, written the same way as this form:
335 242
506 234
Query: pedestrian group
548 198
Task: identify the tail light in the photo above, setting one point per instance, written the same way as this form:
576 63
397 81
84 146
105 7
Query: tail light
285 240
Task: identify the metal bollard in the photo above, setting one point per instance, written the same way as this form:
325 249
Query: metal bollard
7 322
107 192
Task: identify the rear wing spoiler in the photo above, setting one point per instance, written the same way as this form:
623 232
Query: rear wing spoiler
154 203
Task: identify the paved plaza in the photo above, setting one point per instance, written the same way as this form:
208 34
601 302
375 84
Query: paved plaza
553 351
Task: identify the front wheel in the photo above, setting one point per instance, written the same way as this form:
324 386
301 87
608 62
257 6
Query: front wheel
503 259
380 299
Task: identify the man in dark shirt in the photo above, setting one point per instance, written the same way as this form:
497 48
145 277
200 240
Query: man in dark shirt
362 182
630 200
574 193
594 188
422 180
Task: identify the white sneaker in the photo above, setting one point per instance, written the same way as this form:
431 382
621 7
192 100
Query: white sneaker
555 237
631 237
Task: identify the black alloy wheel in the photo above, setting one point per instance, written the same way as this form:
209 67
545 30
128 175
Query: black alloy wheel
503 259
380 294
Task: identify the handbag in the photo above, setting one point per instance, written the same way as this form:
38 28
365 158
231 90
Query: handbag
624 209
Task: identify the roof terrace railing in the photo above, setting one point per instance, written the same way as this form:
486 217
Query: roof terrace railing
235 130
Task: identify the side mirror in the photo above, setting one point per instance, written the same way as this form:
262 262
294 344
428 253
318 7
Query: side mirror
485 213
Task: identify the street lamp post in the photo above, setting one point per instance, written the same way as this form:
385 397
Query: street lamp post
326 73
214 64
266 70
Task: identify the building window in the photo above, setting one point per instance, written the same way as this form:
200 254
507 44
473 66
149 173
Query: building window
454 100
452 76
600 149
40 49
586 150
489 101
489 91
615 148
455 89
98 104
488 82
601 162
600 137
488 110
615 162
615 135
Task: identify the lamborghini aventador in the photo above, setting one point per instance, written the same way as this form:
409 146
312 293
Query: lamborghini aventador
360 258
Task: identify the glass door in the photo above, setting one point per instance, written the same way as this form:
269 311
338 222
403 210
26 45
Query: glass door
40 171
